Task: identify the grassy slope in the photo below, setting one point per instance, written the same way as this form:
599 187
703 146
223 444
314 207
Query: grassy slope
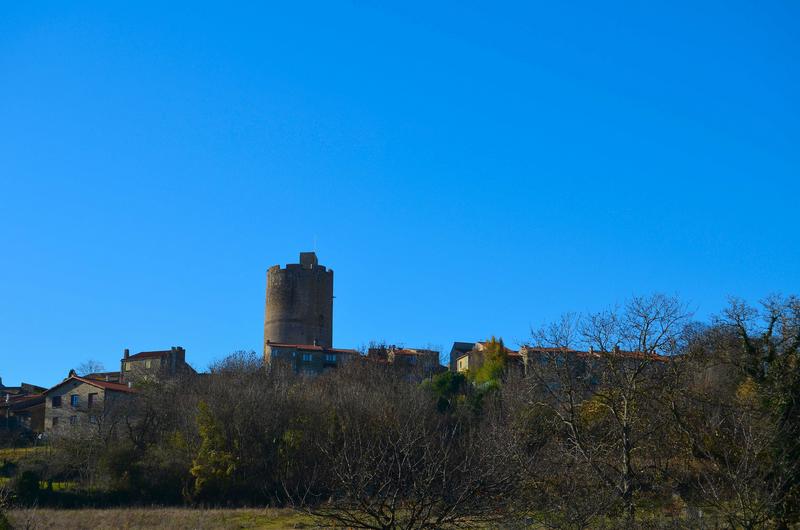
15 455
173 518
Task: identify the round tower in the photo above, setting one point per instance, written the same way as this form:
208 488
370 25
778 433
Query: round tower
299 307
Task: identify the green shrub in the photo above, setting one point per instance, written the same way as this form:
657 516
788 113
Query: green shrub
26 487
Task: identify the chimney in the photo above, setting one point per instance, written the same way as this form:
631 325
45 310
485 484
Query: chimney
130 384
315 342
126 353
616 348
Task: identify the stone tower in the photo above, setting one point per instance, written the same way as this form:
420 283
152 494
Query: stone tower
299 308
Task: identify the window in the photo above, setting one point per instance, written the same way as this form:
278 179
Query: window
148 363
56 402
73 420
93 420
330 357
55 422
74 400
306 357
92 399
127 367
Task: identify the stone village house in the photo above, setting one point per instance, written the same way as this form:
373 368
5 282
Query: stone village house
154 365
21 407
79 401
308 359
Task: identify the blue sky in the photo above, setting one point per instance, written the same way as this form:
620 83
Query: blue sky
466 168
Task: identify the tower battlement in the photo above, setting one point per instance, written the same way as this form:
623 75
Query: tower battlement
299 266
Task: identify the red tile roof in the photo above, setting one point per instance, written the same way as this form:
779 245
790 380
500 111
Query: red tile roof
103 375
105 385
21 401
598 354
414 352
148 355
309 347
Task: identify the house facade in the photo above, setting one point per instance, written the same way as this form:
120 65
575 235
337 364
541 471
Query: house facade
152 365
22 413
307 359
469 356
79 401
21 407
527 357
416 362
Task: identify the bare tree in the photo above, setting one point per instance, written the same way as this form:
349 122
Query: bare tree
90 366
606 398
738 411
393 461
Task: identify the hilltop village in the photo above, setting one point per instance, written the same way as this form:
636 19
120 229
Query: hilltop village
494 434
298 332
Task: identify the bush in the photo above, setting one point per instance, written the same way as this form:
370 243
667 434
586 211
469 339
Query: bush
26 487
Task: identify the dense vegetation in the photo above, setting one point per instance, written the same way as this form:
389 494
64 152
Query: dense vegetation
705 433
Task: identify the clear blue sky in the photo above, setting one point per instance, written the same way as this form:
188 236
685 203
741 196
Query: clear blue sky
466 168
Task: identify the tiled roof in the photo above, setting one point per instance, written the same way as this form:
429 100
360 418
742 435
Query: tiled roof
148 355
22 402
103 375
309 347
598 354
22 390
117 387
414 352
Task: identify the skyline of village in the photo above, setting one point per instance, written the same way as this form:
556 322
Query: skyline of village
298 342
200 358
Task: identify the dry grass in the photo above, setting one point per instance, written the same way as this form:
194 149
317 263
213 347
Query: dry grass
17 454
173 518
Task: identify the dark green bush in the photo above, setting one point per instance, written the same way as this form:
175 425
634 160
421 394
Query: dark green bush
26 487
